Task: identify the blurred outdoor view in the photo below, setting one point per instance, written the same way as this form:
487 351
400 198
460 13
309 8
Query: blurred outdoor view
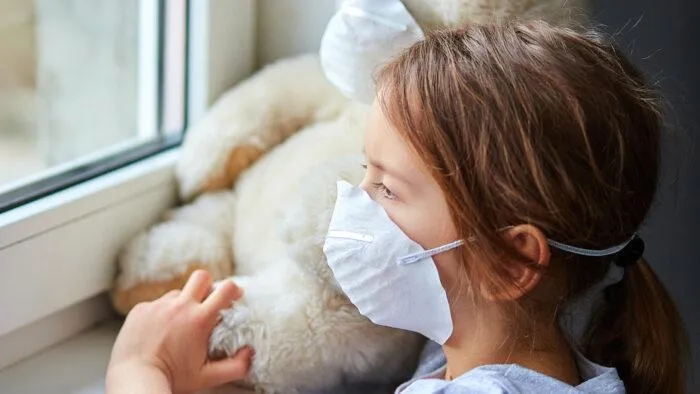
68 81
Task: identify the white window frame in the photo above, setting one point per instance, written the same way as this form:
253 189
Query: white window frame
58 254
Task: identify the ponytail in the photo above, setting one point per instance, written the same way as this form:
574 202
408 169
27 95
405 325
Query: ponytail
639 331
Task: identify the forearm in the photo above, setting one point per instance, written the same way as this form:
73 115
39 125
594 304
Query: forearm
136 380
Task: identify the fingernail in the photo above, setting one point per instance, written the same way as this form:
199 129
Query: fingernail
246 349
227 283
237 292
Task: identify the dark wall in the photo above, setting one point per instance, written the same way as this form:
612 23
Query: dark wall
663 38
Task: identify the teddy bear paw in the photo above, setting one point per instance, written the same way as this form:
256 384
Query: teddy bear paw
232 333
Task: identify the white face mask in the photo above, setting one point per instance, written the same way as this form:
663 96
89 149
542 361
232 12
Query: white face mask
361 37
394 282
391 279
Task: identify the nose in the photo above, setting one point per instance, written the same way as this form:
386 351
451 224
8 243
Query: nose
365 185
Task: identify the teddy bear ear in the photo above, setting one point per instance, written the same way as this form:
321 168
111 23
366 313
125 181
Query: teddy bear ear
361 37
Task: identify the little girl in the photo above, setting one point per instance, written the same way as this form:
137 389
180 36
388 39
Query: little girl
508 171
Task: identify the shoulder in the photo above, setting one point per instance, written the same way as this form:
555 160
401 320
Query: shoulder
514 379
509 379
477 381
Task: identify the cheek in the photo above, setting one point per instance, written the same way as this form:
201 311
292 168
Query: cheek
430 229
435 223
425 219
429 226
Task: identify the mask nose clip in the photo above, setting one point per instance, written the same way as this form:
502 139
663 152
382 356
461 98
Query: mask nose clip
355 236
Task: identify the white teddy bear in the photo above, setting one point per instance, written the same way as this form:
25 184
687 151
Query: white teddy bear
260 170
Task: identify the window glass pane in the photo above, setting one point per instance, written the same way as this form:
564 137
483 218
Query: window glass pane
175 61
81 80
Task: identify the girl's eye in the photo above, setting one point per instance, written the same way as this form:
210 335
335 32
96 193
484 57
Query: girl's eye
364 166
386 193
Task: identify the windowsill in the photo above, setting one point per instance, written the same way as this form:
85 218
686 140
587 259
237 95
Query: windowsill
72 239
75 366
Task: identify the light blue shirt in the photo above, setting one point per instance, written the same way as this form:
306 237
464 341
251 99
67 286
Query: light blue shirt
506 379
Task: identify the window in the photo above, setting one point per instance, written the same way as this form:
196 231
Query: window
86 166
88 86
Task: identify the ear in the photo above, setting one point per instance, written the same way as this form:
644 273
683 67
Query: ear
531 244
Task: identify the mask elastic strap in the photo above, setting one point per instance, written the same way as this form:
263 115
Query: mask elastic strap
590 252
415 257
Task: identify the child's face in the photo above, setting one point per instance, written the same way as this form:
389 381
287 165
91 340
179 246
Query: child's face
398 180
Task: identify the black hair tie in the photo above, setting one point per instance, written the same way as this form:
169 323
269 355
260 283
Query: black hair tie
631 253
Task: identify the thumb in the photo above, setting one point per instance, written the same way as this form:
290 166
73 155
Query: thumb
216 373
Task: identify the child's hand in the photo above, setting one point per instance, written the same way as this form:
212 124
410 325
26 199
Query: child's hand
166 341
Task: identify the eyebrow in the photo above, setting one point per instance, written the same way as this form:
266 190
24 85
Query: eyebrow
383 168
393 173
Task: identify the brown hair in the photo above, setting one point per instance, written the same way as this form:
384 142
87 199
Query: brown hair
530 123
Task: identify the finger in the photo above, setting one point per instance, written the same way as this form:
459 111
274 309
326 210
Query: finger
222 297
216 373
197 286
170 294
215 286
